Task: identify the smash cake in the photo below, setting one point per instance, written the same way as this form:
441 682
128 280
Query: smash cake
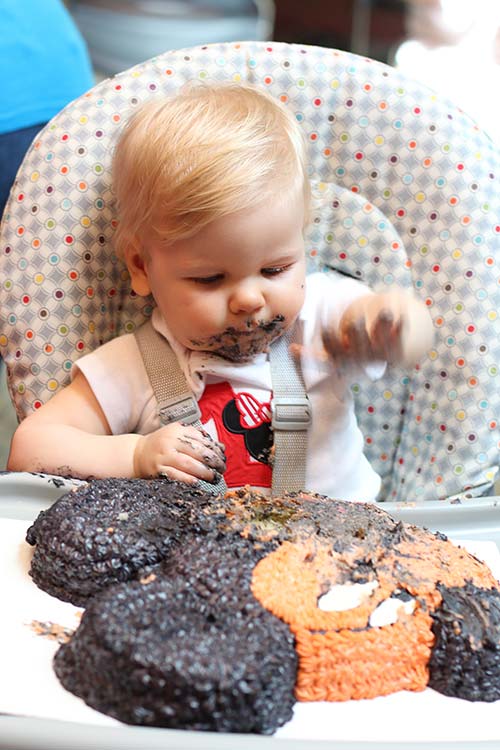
219 613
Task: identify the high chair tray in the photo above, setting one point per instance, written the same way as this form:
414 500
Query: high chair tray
38 714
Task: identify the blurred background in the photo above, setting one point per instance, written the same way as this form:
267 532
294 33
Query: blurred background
451 45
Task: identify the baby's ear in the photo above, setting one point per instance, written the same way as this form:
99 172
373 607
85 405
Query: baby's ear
137 270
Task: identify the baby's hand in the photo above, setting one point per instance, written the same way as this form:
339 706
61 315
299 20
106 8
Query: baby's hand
180 452
395 327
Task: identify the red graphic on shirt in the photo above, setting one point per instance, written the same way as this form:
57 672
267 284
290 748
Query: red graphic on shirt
252 412
243 424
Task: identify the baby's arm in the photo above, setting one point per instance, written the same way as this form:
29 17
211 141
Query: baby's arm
70 436
394 327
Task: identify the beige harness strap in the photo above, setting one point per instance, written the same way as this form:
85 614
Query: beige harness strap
176 402
290 417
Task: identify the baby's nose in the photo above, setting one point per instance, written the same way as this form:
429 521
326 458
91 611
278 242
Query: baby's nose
246 297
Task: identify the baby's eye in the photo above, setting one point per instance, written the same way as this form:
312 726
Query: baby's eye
207 279
274 270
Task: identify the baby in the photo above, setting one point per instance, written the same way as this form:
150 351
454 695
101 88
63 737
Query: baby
213 196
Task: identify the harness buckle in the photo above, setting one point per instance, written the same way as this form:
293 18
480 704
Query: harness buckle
290 413
179 409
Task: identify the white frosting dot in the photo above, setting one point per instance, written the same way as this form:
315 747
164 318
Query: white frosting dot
341 597
388 611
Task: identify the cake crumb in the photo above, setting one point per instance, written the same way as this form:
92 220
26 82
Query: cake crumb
51 630
148 579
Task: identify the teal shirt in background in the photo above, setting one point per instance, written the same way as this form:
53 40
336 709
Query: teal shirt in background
44 63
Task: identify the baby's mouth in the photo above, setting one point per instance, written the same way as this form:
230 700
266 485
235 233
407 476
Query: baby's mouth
242 344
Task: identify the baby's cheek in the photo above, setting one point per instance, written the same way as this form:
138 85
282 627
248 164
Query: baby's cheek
292 301
204 316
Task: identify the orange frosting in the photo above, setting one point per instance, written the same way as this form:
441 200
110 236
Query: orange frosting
340 656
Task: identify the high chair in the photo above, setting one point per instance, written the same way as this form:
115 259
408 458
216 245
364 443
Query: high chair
406 192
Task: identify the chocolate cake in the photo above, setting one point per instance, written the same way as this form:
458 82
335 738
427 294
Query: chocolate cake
243 605
190 649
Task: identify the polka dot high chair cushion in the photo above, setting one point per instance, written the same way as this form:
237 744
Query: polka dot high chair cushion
407 193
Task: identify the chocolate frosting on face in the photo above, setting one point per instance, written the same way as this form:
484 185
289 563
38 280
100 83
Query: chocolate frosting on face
240 345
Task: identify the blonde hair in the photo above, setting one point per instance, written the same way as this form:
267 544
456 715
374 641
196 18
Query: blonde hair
208 151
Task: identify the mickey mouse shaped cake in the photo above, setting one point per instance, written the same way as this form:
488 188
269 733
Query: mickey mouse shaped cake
219 613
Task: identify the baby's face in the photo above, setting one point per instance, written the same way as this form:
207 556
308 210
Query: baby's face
235 286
